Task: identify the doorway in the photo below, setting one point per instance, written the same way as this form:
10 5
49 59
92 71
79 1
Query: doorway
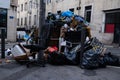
116 33
113 17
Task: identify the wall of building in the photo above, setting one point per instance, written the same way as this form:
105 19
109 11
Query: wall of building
98 17
21 14
12 21
32 8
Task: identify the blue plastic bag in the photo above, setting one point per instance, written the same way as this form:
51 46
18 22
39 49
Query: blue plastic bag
26 36
67 14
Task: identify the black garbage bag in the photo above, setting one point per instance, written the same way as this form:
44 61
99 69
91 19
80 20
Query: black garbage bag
74 54
59 23
56 58
92 60
110 59
89 60
92 55
101 62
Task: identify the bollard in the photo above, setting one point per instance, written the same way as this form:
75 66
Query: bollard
119 40
2 43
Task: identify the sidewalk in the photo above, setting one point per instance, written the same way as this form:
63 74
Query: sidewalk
113 48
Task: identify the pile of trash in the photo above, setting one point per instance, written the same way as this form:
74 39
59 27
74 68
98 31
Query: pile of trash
68 52
65 17
94 56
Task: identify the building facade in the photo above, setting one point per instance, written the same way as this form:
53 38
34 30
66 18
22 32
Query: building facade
10 21
28 14
103 15
104 18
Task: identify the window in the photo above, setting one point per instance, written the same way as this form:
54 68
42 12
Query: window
12 1
78 8
30 20
18 9
72 9
18 21
59 0
3 20
111 20
48 1
30 4
3 17
88 13
25 8
21 21
35 19
37 3
21 7
25 21
59 12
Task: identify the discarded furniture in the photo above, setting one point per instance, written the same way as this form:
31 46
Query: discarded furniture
19 53
40 61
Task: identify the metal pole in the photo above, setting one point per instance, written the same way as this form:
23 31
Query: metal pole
42 15
41 23
3 43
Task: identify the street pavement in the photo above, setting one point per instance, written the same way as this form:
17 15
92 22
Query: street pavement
114 49
16 71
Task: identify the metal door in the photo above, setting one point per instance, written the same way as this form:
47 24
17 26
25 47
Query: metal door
117 33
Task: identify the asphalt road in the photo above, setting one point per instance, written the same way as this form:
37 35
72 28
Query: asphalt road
15 71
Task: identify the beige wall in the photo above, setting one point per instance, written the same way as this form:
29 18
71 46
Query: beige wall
98 17
12 23
26 13
21 14
11 29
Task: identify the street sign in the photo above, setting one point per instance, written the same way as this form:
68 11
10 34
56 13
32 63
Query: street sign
11 17
4 3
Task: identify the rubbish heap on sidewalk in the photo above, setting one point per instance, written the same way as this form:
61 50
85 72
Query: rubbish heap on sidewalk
61 39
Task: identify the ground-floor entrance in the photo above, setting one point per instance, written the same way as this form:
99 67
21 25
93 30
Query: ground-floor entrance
112 23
